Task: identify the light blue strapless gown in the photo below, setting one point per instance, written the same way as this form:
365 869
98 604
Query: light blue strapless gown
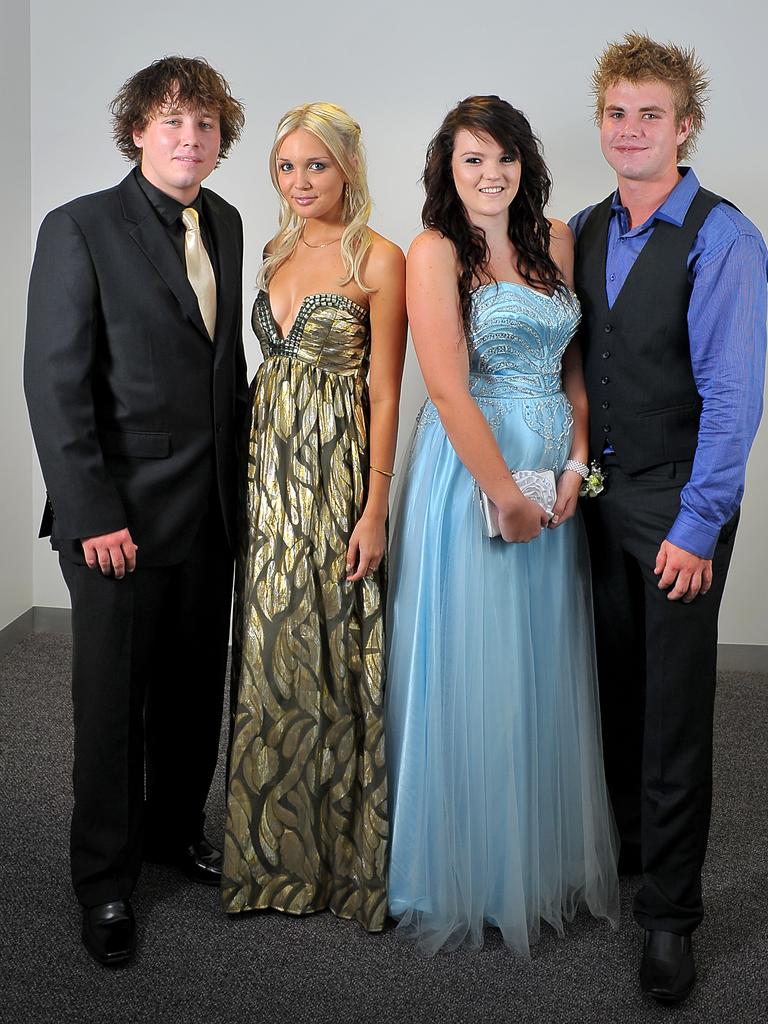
499 811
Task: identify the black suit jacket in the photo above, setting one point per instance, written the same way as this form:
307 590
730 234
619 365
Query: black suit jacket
134 411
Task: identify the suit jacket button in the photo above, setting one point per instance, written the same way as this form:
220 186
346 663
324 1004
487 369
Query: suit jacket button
606 354
605 405
604 380
608 328
606 427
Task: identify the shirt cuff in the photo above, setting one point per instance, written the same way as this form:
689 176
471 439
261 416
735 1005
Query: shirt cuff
693 536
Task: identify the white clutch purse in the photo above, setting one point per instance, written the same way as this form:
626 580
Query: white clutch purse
537 484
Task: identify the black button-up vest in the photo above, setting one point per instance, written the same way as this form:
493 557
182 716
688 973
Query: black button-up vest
637 358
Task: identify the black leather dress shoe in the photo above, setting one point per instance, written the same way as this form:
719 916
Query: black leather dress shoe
667 970
200 862
109 932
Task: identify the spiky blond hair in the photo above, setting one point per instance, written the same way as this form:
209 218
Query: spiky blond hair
638 58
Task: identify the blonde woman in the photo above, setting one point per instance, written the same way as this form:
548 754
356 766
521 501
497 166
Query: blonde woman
306 815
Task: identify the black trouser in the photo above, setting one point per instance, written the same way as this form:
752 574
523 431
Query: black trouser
657 661
149 657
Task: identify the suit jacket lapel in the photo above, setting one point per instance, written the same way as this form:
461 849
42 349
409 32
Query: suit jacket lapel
152 238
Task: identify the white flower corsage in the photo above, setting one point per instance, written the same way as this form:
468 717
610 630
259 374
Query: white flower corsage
594 482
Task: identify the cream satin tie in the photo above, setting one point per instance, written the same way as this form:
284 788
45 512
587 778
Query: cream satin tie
199 270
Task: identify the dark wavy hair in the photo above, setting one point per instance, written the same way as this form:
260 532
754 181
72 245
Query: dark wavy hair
528 227
189 81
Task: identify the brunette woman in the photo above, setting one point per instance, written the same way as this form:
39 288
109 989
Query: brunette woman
498 803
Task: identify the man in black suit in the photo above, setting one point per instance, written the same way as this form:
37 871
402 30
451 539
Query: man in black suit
135 382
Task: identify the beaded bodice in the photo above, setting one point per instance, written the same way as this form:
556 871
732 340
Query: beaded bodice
516 347
517 340
331 331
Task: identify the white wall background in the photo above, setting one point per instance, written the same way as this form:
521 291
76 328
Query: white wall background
397 67
16 458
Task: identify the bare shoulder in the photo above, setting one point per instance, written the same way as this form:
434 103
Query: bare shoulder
561 249
559 232
431 248
269 247
384 256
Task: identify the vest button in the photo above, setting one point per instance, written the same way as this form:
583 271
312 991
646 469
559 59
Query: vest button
604 380
606 354
606 427
605 405
608 328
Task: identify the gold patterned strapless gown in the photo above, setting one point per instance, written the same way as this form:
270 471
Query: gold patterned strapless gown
307 799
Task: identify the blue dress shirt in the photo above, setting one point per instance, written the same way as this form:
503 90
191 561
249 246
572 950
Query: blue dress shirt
728 269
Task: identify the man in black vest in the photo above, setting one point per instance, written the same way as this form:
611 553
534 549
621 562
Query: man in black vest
672 282
135 381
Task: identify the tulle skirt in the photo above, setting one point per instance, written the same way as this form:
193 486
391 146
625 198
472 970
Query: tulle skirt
499 812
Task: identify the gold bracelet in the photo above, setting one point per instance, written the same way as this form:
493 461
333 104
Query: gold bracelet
382 471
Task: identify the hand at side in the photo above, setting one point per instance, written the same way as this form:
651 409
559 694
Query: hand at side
690 574
366 546
113 553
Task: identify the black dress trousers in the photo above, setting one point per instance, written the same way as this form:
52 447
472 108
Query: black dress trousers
149 659
657 664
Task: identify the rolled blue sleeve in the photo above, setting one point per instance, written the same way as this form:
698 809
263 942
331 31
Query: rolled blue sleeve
727 330
577 221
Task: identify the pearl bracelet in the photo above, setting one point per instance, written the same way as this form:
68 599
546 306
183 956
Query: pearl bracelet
578 467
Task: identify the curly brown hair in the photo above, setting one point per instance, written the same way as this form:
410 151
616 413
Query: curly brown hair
191 83
638 58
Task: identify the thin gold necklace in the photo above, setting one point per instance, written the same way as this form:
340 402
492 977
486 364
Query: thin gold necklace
322 245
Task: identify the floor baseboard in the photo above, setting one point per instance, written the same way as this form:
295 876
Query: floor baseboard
34 620
730 657
742 657
15 631
52 620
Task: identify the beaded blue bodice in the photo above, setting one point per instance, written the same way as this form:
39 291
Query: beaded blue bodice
516 346
517 341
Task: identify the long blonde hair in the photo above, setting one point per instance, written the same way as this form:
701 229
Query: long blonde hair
341 134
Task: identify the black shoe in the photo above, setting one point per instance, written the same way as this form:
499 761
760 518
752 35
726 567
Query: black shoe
201 862
109 932
667 970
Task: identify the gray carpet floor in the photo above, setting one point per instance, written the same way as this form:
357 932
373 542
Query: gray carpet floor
197 966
